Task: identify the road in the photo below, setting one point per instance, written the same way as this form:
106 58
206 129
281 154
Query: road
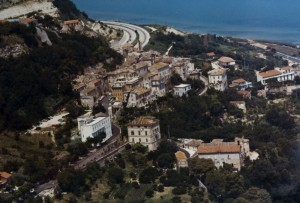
111 144
129 34
288 57
205 81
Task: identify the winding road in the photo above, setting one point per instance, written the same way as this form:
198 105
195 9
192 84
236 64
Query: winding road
131 33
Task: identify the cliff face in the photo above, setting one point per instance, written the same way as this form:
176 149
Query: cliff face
8 3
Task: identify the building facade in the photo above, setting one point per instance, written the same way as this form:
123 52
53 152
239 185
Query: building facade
89 127
182 89
144 130
181 160
217 79
280 74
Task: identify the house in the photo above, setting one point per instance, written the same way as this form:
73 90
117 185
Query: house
239 104
87 101
141 68
221 152
158 86
181 160
27 21
118 91
245 94
241 83
162 70
144 130
182 89
74 24
192 144
5 178
210 54
280 74
138 97
226 61
89 127
217 79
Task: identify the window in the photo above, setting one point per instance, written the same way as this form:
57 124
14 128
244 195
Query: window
132 132
139 133
140 140
146 140
146 132
132 140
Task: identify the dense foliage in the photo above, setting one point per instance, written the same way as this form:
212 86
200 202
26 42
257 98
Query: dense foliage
35 84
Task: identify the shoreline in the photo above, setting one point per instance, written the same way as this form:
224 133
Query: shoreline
181 32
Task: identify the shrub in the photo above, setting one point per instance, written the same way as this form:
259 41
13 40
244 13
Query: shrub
149 193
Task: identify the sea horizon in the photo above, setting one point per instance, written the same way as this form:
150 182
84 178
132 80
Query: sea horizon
251 19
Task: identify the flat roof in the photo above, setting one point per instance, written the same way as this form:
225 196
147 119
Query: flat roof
182 85
96 120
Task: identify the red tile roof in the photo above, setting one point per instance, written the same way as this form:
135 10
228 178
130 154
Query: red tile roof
240 80
214 149
144 121
225 59
26 20
180 155
5 175
210 54
269 73
71 22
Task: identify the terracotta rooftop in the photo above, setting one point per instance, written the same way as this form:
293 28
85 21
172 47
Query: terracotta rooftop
159 65
144 121
210 54
71 22
240 80
26 20
180 155
269 73
141 90
5 175
243 92
215 149
140 65
236 102
225 59
286 68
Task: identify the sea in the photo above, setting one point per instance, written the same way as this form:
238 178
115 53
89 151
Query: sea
272 20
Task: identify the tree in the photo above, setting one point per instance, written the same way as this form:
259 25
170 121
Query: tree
215 182
280 118
115 176
166 160
98 108
201 166
234 185
149 193
148 175
255 194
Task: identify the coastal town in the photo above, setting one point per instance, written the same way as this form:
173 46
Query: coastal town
173 127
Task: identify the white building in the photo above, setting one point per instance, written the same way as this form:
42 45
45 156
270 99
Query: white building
139 97
181 160
162 70
226 61
281 74
222 152
90 127
241 83
144 130
217 79
240 105
181 89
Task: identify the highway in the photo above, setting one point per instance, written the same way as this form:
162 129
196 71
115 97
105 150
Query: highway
130 34
288 57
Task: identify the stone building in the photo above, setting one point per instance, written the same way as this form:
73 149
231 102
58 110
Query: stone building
144 130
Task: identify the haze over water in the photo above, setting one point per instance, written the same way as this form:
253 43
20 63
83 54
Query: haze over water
276 20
